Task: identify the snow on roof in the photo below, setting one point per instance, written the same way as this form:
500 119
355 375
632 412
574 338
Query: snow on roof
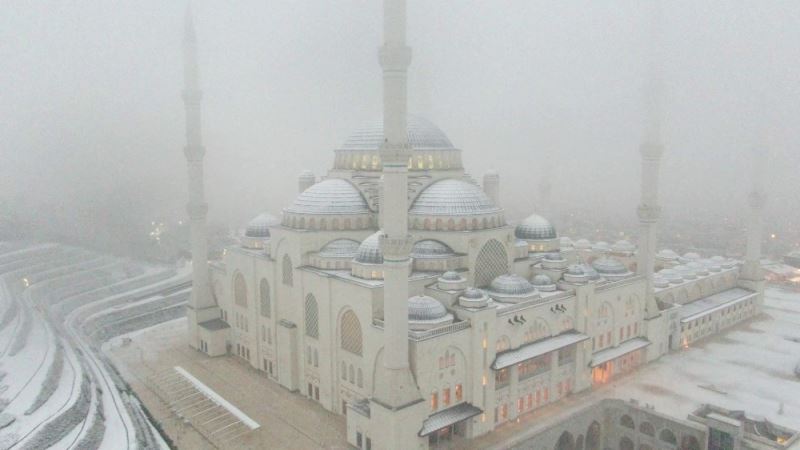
525 352
604 356
714 302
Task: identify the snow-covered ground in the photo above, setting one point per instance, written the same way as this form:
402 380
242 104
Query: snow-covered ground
750 367
57 389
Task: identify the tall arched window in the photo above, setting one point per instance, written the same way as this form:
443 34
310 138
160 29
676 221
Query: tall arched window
627 422
240 290
312 317
565 441
288 276
351 339
668 436
265 298
492 261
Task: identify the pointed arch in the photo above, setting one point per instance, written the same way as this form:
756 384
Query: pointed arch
312 317
266 303
240 290
492 261
287 271
351 339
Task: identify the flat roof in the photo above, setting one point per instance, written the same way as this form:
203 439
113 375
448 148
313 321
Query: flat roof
538 348
714 302
447 417
604 356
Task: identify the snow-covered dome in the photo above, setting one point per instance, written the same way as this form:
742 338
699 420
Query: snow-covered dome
575 269
422 135
698 267
451 197
667 254
535 227
472 293
331 196
451 275
671 275
580 273
582 244
691 256
659 281
259 226
340 248
429 248
369 252
606 265
451 281
711 265
601 246
623 246
423 307
686 272
511 284
543 283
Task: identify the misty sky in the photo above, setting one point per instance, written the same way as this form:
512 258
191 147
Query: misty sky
91 117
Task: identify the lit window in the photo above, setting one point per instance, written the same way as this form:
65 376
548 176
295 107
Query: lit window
459 393
446 397
434 401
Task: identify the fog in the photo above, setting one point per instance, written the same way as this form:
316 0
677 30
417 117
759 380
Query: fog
92 122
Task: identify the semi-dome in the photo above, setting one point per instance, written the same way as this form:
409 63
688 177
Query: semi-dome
451 197
259 226
543 283
535 227
331 196
369 252
511 284
429 248
609 266
667 254
422 135
582 244
423 307
340 248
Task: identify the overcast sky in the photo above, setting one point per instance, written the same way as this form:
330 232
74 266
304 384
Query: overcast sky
91 115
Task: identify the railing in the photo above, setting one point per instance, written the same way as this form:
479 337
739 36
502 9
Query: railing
427 334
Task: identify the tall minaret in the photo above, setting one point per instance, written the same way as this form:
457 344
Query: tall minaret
394 383
651 149
201 305
756 200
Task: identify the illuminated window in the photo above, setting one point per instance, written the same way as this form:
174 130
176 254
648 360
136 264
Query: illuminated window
459 393
446 397
501 378
434 401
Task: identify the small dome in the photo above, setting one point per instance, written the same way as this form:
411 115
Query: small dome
582 244
606 265
422 307
671 275
686 272
554 256
430 248
535 227
711 266
660 282
601 246
331 196
451 275
511 284
667 254
691 256
544 283
451 197
698 267
369 252
575 269
566 242
340 248
472 293
623 245
422 134
259 226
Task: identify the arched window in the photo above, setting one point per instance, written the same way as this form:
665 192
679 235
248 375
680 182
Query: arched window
690 443
288 277
625 444
647 428
352 373
627 422
492 261
240 290
668 436
312 317
265 299
565 441
351 333
593 437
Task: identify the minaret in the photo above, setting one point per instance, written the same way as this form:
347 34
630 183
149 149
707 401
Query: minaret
756 200
651 150
201 304
491 186
394 384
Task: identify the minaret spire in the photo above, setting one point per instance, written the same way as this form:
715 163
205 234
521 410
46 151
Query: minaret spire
394 383
201 304
649 211
756 200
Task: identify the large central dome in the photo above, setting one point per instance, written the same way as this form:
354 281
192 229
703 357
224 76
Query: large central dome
422 135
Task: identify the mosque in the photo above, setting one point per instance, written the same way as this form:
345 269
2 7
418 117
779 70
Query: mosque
394 291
